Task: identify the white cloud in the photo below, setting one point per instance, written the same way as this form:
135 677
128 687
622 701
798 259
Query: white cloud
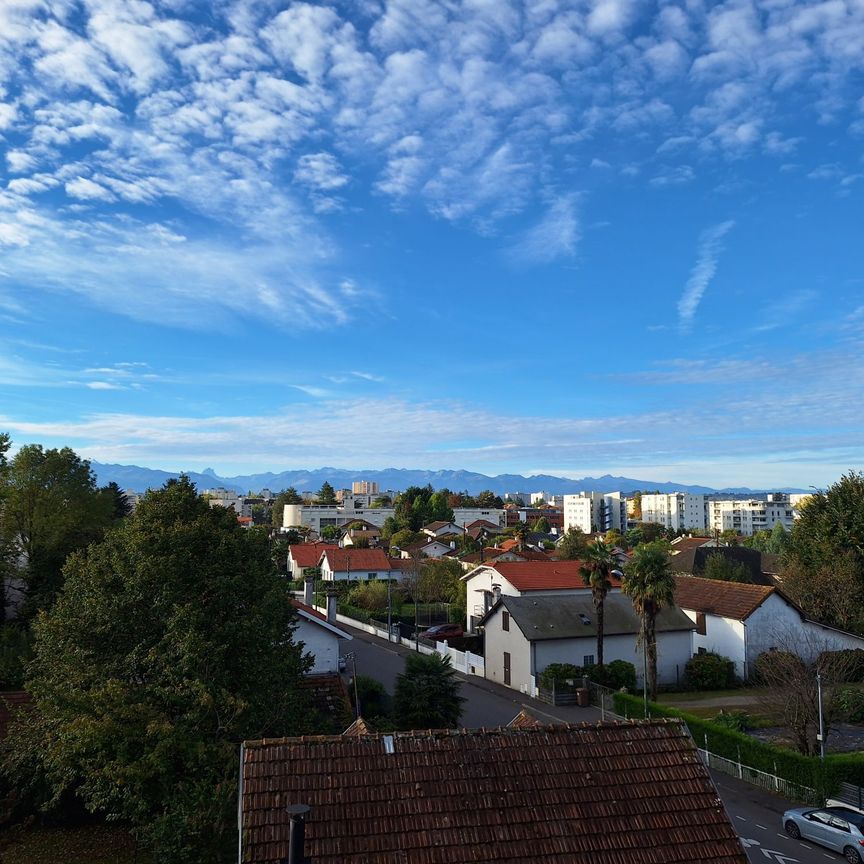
554 236
86 190
710 247
320 171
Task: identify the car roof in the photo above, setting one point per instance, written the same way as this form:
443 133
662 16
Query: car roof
848 814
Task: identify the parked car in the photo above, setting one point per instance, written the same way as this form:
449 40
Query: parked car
838 828
442 632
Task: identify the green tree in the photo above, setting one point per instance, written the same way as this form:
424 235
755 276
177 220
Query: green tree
600 561
50 507
119 503
541 526
573 545
427 694
637 506
326 494
440 581
169 644
277 506
723 569
329 532
778 540
489 499
650 584
439 510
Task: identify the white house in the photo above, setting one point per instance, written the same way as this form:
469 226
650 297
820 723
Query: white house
320 638
488 582
441 529
427 549
741 621
356 565
304 555
526 634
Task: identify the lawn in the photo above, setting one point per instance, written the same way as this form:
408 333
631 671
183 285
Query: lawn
89 844
709 703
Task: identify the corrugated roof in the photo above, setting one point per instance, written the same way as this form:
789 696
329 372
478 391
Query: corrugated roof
624 793
341 560
308 554
545 575
572 616
734 600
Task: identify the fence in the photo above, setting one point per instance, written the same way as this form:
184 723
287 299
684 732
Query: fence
762 779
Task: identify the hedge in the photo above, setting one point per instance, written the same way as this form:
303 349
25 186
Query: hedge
807 771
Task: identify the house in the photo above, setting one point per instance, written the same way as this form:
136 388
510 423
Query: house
441 529
360 532
523 635
355 565
741 621
486 583
427 549
319 636
303 556
692 561
615 792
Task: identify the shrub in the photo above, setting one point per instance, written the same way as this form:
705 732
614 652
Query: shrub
558 673
850 702
737 720
709 671
617 674
846 664
770 664
374 699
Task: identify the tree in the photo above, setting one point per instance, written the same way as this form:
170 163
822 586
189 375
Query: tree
427 694
329 532
326 494
50 507
120 506
723 569
637 506
438 508
277 507
541 526
489 499
573 545
169 644
600 561
440 581
649 582
824 558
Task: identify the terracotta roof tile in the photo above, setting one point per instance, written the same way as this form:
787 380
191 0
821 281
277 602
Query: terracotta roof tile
624 792
523 720
341 560
734 600
329 696
545 575
308 554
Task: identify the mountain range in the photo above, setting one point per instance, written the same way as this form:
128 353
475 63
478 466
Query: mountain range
140 479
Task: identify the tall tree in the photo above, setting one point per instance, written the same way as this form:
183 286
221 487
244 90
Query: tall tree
427 694
649 582
600 561
169 644
326 494
572 545
120 506
723 569
50 507
277 508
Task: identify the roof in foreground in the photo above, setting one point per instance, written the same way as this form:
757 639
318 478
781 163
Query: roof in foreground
622 792
735 600
546 575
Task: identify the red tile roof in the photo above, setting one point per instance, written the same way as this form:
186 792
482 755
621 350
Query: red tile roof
622 792
545 575
734 600
309 610
341 560
308 554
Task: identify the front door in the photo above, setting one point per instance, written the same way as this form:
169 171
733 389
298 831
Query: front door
507 668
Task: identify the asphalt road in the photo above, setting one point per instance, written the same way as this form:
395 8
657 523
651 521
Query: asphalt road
754 813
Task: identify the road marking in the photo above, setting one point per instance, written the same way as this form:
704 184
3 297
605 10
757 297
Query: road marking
741 818
761 826
777 857
747 843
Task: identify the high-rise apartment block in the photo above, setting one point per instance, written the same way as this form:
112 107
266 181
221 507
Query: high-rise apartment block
364 487
595 511
679 511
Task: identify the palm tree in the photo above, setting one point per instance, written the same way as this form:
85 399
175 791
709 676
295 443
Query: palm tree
600 561
649 582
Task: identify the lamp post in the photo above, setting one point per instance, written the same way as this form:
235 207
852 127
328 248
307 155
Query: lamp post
821 726
389 610
352 656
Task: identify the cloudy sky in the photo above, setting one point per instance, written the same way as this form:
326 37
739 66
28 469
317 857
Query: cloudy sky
568 237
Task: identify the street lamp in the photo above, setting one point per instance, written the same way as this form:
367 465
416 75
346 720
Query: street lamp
821 726
352 656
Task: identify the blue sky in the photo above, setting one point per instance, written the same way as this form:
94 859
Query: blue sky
564 237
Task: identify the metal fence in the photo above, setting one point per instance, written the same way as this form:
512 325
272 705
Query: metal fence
762 779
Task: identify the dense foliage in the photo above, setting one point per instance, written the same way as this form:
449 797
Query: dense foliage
709 671
718 566
427 694
168 645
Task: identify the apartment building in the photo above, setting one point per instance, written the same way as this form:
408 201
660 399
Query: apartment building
751 515
318 516
679 511
595 511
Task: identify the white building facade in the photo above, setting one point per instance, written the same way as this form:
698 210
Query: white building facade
752 515
679 511
595 511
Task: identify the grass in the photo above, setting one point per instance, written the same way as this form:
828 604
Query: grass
86 844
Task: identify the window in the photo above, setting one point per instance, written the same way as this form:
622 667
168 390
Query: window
505 621
373 576
701 650
507 668
588 660
700 623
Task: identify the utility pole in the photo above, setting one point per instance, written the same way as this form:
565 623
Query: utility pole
821 726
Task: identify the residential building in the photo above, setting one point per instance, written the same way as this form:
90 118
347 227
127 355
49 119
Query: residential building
221 497
553 515
302 556
678 511
693 561
486 583
614 792
595 511
466 515
442 529
319 516
429 548
321 638
751 515
356 565
741 621
523 635
546 498
364 487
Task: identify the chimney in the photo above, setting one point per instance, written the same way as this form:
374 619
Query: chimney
332 600
297 833
496 593
309 591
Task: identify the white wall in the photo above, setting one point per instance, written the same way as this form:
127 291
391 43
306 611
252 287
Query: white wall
496 642
467 515
320 643
723 636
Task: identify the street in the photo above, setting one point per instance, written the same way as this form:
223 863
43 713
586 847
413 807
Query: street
754 813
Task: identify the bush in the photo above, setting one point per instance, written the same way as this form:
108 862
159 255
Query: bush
709 671
16 650
556 674
850 701
737 720
617 674
770 664
374 699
